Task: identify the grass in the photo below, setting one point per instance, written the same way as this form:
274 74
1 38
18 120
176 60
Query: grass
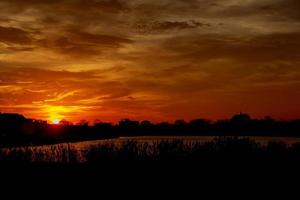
220 149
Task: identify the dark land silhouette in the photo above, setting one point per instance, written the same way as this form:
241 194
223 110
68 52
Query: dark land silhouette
16 130
219 149
228 157
232 147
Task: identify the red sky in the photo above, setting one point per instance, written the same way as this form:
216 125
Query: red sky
159 60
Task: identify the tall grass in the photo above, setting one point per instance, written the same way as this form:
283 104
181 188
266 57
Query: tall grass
227 148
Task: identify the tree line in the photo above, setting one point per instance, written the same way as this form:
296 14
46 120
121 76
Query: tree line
15 129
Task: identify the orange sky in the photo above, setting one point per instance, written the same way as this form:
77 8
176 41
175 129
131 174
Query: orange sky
159 60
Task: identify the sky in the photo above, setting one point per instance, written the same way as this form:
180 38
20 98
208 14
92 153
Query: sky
159 60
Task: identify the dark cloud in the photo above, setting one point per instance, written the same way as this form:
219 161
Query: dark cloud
264 48
104 5
84 44
10 35
66 46
287 9
165 26
98 39
281 10
20 49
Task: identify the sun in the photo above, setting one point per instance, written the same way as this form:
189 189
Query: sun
55 121
55 114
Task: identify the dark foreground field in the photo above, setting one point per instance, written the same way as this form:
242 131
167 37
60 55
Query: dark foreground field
225 168
165 159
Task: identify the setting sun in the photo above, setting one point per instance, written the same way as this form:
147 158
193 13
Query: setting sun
55 113
56 121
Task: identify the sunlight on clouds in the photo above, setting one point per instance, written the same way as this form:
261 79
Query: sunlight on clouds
116 59
61 112
10 88
61 96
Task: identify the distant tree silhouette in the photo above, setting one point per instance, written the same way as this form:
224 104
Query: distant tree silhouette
146 124
64 122
83 123
241 118
15 129
180 122
198 126
130 127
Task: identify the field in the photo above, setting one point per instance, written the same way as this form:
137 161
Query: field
157 149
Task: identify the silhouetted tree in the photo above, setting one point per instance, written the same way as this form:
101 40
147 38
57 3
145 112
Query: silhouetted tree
64 122
129 127
17 130
241 118
83 123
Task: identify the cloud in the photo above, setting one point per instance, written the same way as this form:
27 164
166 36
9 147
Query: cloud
163 26
273 10
262 48
99 39
286 10
104 5
25 89
83 44
10 35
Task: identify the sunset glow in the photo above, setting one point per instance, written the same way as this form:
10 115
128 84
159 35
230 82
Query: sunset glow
55 121
55 113
109 60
